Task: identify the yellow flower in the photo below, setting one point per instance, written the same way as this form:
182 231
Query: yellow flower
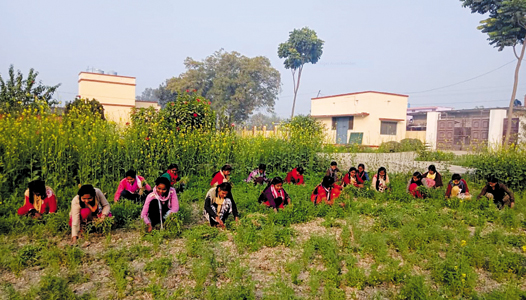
463 243
523 248
463 275
456 267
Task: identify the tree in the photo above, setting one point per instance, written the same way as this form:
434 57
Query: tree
506 27
303 46
17 92
189 112
235 84
161 95
85 106
260 120
148 95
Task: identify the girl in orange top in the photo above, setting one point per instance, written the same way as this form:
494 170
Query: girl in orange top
326 192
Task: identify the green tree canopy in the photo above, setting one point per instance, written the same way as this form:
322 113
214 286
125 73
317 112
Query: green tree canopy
85 106
161 95
303 46
260 119
17 92
506 27
235 84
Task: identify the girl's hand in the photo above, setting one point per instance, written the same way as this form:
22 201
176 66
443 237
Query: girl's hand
218 220
150 228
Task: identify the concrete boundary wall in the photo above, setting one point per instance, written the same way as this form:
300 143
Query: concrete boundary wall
400 162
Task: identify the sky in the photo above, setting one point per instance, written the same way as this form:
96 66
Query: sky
412 47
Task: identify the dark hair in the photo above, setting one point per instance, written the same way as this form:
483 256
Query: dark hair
173 166
37 186
378 176
333 163
352 169
456 177
262 167
361 165
493 179
300 170
163 180
432 168
131 173
226 168
418 175
225 186
327 181
276 180
86 189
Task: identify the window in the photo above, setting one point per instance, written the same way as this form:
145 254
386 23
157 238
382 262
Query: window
335 122
388 128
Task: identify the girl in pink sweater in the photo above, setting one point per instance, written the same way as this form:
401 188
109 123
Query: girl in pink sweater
160 203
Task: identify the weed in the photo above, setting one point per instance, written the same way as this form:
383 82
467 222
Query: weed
159 266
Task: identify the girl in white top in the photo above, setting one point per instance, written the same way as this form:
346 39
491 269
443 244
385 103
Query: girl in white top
380 180
89 204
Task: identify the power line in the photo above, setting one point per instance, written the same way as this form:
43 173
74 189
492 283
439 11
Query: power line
457 102
473 78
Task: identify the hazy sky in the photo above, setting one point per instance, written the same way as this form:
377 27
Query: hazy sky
403 46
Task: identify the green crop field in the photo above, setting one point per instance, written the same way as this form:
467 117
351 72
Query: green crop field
378 246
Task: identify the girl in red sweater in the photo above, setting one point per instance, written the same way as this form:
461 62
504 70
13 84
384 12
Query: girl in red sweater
351 179
39 199
222 176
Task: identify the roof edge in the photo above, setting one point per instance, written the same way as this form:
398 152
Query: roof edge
357 93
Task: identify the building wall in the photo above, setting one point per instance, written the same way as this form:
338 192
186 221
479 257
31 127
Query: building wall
330 134
119 114
496 127
419 135
377 105
146 104
115 93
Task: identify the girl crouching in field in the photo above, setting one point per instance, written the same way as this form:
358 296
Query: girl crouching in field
88 205
258 176
274 195
413 184
221 176
295 176
39 199
172 174
433 178
132 187
218 205
380 180
458 188
326 192
160 203
351 179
